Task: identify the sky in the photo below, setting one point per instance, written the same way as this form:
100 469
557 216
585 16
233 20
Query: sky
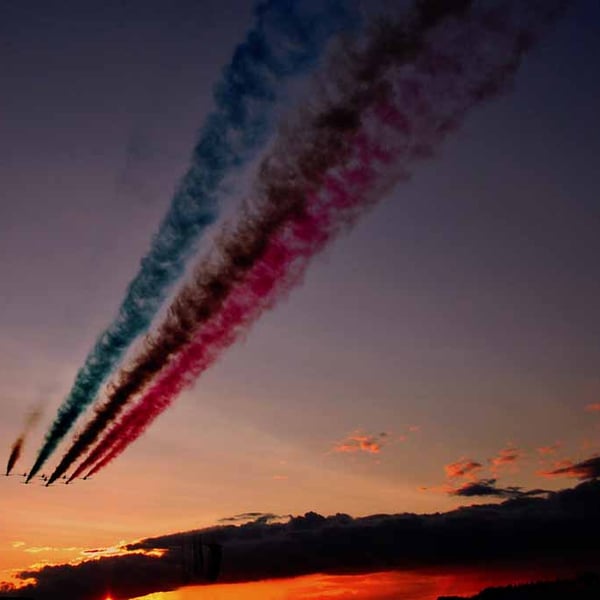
441 353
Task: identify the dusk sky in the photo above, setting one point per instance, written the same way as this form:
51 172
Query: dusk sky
441 353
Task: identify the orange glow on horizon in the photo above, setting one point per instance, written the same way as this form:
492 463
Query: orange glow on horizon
414 585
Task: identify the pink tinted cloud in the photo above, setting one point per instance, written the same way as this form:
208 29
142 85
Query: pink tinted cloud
361 442
585 469
548 450
409 432
558 465
507 458
464 468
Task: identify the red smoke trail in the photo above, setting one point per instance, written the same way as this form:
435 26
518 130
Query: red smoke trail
466 62
321 139
284 261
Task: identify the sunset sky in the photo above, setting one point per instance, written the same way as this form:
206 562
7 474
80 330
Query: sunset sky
449 340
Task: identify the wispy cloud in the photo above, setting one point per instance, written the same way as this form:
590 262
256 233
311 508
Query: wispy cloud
586 469
549 450
253 517
119 549
464 468
39 549
507 458
44 549
464 476
361 442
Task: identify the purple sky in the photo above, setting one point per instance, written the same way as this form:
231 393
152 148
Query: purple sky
464 304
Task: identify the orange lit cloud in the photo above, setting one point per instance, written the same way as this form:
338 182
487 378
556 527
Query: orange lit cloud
564 463
586 469
507 458
39 549
254 517
465 468
464 476
547 450
361 442
593 407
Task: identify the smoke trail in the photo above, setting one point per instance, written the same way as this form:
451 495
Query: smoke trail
287 39
318 145
280 266
15 453
464 64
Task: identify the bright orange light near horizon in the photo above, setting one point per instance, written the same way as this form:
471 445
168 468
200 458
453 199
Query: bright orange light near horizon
425 584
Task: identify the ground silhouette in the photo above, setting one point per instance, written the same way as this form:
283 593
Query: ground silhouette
584 587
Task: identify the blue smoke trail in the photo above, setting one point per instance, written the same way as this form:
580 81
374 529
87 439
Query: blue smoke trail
287 39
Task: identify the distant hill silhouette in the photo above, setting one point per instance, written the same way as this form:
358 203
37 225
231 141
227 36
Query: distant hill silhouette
584 587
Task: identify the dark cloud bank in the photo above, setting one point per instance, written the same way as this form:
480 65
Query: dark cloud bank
525 531
489 488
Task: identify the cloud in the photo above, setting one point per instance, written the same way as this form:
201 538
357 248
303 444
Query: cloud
463 468
469 471
594 407
586 469
488 488
254 517
507 458
547 450
38 549
127 576
481 487
361 442
526 529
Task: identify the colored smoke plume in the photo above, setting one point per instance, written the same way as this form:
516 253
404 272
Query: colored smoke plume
321 139
464 62
286 41
16 449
